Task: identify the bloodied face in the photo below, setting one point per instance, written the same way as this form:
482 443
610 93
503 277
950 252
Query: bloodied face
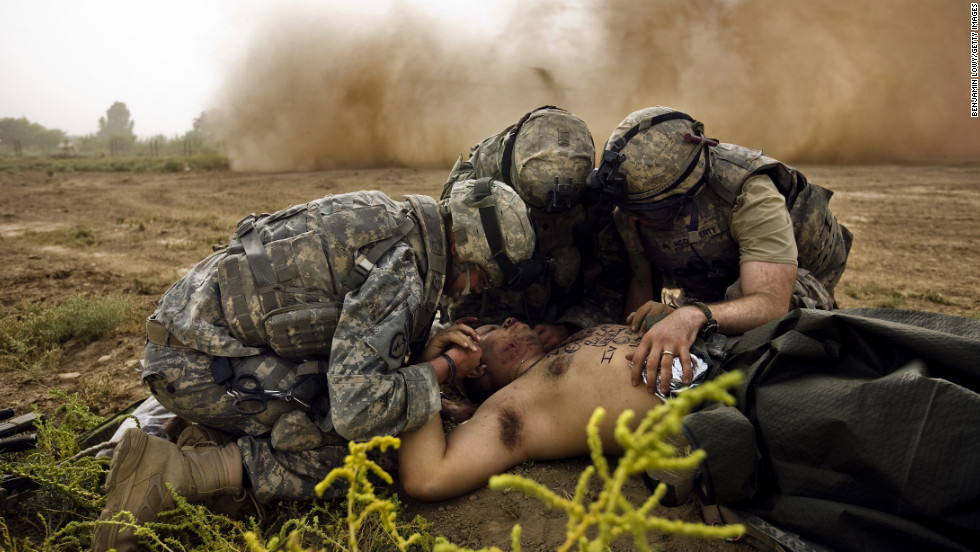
508 349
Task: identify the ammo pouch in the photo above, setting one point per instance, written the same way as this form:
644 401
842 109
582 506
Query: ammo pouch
285 275
824 244
302 330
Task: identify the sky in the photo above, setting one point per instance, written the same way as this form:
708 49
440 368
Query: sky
63 63
321 84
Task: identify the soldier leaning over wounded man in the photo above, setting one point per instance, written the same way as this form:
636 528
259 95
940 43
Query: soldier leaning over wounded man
312 327
741 237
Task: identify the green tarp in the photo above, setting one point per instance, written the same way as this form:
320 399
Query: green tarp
855 429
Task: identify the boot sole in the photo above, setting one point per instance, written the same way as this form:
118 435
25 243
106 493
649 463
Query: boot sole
127 456
129 452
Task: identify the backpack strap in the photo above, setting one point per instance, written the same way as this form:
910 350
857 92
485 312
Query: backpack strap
258 259
365 262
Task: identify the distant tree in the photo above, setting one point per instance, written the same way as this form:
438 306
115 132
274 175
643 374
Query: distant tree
117 128
91 143
201 123
21 134
15 134
48 140
116 121
204 125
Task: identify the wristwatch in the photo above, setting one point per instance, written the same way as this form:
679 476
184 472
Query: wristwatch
711 326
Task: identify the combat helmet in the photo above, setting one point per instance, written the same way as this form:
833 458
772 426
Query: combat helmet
656 158
492 230
547 158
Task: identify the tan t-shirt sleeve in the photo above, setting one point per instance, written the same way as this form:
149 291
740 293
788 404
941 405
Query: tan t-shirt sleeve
761 224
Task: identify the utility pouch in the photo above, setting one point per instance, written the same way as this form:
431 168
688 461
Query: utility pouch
302 330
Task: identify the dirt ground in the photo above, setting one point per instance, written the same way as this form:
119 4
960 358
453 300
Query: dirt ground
916 246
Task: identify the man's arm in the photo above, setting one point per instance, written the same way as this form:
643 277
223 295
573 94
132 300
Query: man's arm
435 466
371 391
766 292
767 289
640 289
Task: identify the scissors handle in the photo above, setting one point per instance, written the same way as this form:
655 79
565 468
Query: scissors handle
255 404
247 383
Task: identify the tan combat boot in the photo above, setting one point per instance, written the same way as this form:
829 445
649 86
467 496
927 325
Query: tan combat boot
142 464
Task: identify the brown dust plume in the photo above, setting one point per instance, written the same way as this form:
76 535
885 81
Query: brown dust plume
821 81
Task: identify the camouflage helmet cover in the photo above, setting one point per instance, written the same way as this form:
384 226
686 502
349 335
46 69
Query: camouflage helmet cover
656 157
551 143
472 242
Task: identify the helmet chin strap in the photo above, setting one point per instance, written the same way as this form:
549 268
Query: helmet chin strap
460 268
466 290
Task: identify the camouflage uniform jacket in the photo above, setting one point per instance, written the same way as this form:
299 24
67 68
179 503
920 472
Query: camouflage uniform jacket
697 253
583 286
304 309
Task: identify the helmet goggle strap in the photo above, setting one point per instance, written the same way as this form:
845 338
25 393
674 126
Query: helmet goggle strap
607 178
491 229
516 276
465 268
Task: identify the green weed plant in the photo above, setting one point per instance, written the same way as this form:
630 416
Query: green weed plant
32 335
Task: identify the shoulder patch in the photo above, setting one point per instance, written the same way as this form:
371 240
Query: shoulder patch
398 346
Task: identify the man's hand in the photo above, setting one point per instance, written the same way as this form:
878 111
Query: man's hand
459 335
671 337
466 359
551 335
637 318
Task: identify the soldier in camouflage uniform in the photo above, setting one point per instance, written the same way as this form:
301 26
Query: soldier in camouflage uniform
741 235
547 157
311 328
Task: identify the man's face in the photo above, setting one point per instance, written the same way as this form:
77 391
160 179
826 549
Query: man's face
505 347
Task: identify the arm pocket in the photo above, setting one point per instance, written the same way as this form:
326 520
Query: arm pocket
302 330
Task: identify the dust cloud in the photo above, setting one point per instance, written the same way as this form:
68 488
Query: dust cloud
825 81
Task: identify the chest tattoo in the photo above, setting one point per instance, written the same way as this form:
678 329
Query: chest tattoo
601 336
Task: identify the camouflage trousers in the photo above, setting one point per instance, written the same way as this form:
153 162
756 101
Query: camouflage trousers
286 450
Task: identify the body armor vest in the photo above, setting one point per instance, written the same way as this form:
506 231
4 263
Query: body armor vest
285 275
703 259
